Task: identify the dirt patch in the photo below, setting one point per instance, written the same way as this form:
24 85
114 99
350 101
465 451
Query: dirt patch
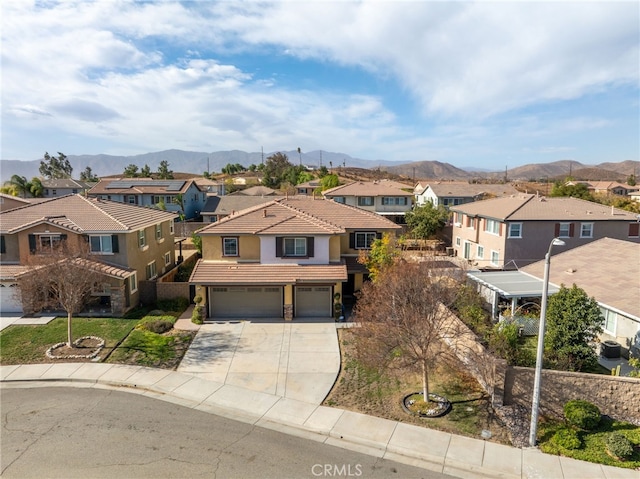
381 395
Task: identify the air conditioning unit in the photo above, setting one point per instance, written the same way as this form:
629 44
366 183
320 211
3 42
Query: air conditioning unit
457 225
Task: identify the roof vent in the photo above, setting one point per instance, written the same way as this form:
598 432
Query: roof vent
571 270
264 213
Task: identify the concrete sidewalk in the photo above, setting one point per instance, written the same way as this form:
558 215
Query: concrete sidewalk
434 450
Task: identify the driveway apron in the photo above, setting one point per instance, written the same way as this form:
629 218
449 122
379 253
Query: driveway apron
297 360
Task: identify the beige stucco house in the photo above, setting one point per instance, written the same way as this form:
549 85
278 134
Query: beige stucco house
385 197
131 244
286 258
511 232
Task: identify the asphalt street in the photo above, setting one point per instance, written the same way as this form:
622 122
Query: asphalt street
96 433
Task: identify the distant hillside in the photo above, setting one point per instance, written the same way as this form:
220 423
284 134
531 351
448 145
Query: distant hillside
562 169
429 169
196 162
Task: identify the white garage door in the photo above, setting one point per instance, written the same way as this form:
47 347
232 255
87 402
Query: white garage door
246 302
9 302
313 301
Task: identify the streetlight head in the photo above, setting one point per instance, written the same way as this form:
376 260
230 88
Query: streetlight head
558 242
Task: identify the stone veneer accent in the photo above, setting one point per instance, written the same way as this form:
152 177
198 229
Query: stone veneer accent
288 312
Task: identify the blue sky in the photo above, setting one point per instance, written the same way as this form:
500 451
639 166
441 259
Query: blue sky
482 84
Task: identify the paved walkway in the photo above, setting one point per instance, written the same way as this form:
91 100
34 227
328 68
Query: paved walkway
6 321
434 450
295 359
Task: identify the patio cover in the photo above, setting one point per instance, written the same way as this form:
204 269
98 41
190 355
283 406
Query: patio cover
511 284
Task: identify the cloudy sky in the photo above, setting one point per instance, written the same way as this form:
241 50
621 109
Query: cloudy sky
485 84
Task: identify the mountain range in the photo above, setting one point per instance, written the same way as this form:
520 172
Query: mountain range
198 162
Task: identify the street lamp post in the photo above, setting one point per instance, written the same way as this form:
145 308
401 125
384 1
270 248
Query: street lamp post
535 404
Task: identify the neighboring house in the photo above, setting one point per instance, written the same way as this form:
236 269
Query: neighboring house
131 244
609 271
635 196
454 193
64 187
176 195
9 202
218 207
606 187
286 258
308 187
211 187
385 197
514 231
257 191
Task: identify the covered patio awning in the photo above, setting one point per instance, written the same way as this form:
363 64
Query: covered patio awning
511 284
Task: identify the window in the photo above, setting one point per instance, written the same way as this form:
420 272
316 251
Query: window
495 258
131 199
364 240
492 226
133 283
634 230
171 228
151 270
54 192
515 230
394 200
458 242
142 239
167 258
158 231
610 319
586 230
295 246
75 191
365 201
47 243
339 199
230 246
480 252
564 230
451 201
101 244
3 245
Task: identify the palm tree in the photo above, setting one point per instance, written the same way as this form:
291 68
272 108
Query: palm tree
19 185
36 190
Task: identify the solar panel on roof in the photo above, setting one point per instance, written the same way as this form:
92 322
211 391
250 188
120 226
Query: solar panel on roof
170 185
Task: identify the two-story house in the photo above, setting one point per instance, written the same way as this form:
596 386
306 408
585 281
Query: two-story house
218 207
454 193
130 243
308 187
511 232
178 196
286 258
56 188
8 202
387 198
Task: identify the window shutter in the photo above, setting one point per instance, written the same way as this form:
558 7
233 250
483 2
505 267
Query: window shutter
557 230
278 246
3 248
571 229
32 243
352 240
634 230
378 235
114 244
63 237
310 246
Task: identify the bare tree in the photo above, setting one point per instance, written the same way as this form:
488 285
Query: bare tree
60 276
403 317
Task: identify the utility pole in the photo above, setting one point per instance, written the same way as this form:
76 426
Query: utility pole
300 155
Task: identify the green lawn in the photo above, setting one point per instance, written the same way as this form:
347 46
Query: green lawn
26 344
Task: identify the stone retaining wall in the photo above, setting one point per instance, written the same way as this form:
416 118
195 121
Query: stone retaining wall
616 396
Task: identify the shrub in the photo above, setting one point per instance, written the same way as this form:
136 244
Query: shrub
175 304
567 439
197 299
158 326
196 315
582 414
619 446
504 341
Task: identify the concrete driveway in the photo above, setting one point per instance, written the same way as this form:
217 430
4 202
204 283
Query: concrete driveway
299 359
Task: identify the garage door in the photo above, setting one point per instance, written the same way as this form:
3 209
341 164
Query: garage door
313 301
246 302
9 303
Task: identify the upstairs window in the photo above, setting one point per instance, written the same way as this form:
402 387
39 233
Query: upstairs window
394 200
103 244
230 246
363 239
45 243
152 273
492 226
586 230
564 230
365 201
515 230
340 199
158 231
295 246
142 239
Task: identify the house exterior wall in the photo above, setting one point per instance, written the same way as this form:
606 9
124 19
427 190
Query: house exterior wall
268 252
139 257
12 249
9 203
334 248
248 247
533 243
